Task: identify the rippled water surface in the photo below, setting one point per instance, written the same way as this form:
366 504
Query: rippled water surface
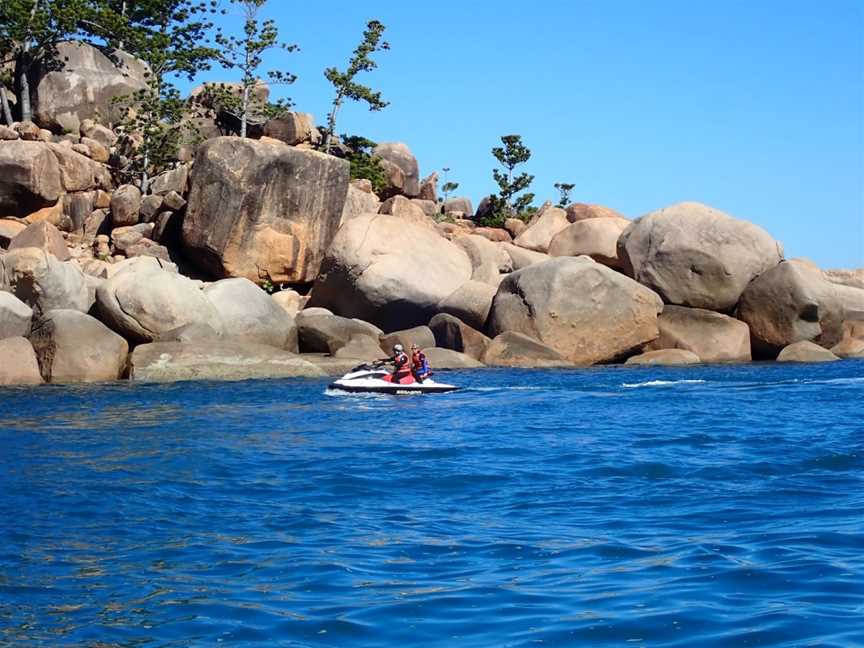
713 506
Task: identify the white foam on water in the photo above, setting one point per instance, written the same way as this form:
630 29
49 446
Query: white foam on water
338 393
504 388
662 383
840 381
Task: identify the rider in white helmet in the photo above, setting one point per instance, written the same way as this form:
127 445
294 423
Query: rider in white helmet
401 363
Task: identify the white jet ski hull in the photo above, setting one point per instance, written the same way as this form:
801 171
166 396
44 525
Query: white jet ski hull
364 381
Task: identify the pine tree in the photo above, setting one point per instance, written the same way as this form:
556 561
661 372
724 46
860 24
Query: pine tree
564 190
29 32
448 188
171 37
506 204
346 87
245 54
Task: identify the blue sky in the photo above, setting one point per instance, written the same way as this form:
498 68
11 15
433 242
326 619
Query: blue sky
756 108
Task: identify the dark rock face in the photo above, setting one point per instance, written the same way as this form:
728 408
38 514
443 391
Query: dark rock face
263 210
83 86
454 334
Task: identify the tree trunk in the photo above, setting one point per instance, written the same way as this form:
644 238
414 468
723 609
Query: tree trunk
331 124
7 113
145 179
244 109
24 94
23 68
120 43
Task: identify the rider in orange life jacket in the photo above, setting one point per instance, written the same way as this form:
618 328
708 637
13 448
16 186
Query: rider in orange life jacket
419 364
401 364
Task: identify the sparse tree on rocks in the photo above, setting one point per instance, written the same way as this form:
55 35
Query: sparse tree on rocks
448 188
346 87
506 204
564 190
245 55
170 36
30 31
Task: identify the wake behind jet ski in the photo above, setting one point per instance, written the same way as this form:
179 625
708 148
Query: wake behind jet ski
374 378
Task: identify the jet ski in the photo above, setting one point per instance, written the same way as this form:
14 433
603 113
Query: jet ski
372 378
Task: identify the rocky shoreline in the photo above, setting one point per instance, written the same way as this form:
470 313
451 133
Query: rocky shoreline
99 282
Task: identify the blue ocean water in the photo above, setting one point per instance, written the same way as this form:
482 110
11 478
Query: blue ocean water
708 506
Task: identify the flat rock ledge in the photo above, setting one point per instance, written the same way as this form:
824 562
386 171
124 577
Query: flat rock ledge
177 361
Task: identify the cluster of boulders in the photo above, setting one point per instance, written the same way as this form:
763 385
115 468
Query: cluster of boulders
99 281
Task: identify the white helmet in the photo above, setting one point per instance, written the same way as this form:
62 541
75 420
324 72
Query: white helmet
398 348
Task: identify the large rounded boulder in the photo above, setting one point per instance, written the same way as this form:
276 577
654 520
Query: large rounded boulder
713 337
470 303
320 331
18 364
542 229
15 316
513 349
585 311
82 82
144 304
394 274
249 313
791 303
262 209
487 258
42 282
401 168
594 237
693 255
74 347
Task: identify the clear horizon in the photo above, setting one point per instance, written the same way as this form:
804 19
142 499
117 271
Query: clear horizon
755 110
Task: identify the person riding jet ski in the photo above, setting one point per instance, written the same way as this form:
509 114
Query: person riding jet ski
401 364
419 364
